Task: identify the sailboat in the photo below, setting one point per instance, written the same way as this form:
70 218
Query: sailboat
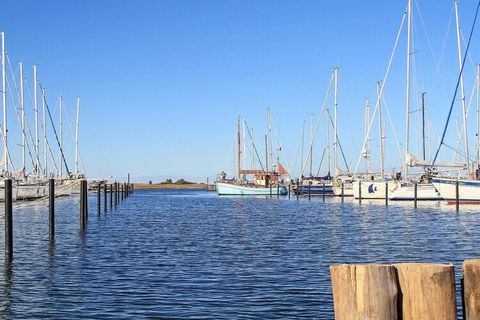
265 182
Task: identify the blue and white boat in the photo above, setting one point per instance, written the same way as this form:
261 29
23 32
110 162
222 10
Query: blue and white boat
224 188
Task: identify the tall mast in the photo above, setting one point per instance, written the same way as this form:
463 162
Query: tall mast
478 115
76 137
311 144
423 125
61 137
303 145
35 111
407 109
239 150
335 105
22 108
253 152
4 103
464 107
367 134
270 151
45 160
328 141
380 126
244 145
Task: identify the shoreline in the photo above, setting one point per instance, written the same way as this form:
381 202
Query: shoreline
154 186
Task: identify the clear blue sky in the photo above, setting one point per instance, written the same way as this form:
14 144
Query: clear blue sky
162 82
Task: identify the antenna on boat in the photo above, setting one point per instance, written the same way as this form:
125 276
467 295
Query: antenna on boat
76 137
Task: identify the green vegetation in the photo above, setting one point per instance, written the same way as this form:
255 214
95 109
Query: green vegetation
178 182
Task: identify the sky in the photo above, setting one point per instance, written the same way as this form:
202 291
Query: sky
162 83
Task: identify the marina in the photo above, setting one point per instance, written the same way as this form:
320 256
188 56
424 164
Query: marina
252 160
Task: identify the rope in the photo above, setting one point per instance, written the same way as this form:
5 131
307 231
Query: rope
458 84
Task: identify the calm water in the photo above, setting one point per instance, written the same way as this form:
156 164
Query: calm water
191 254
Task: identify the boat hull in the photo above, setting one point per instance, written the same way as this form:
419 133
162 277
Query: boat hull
347 190
373 189
468 190
425 192
224 189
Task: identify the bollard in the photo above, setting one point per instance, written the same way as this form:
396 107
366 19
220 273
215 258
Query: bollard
105 186
51 208
298 189
428 291
415 194
364 291
323 192
99 193
8 220
115 195
82 204
471 292
343 191
111 196
457 196
309 190
359 191
386 193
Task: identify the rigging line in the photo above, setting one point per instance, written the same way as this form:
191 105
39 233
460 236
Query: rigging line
455 150
393 128
321 161
54 131
280 142
469 55
437 62
339 145
37 156
16 111
254 147
382 88
18 119
310 149
472 94
458 83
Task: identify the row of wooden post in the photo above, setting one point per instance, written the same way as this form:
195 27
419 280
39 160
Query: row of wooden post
117 192
404 291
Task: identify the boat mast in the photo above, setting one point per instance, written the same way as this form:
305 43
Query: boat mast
462 88
44 132
380 126
367 136
61 136
244 145
76 137
22 108
35 111
239 149
311 145
423 124
407 111
253 153
4 103
303 146
335 105
270 151
328 142
478 115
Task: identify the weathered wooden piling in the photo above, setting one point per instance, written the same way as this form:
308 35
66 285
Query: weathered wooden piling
323 192
115 195
289 187
111 196
83 203
343 191
122 193
298 188
278 190
415 195
99 194
457 196
51 208
386 193
359 191
471 288
364 291
404 291
8 220
427 291
105 186
309 190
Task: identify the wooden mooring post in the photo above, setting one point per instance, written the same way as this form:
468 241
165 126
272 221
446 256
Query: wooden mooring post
415 195
51 209
111 196
8 220
323 192
309 190
386 193
83 204
343 192
359 191
298 188
115 195
471 289
289 187
457 196
122 193
394 291
105 187
99 194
